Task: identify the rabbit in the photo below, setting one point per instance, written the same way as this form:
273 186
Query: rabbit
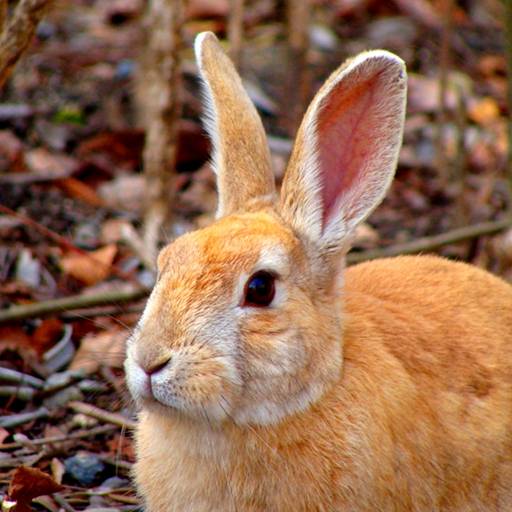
269 377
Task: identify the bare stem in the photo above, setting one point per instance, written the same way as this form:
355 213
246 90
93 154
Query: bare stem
508 53
162 84
18 33
430 243
235 30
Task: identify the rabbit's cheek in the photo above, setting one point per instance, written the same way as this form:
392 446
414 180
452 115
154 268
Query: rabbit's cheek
196 386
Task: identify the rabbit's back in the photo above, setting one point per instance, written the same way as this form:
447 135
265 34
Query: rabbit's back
428 357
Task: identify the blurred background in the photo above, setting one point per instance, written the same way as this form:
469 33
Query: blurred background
103 159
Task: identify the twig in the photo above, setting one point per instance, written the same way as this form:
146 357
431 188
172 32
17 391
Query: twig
443 166
3 14
297 90
14 420
18 33
460 162
24 393
508 54
121 464
160 77
8 375
131 238
100 414
430 243
68 303
101 311
235 30
63 503
96 431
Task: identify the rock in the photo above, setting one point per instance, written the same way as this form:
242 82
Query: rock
84 467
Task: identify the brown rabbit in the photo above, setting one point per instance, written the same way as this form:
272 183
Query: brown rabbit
271 379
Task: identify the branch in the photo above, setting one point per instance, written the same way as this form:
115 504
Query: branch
235 30
66 303
430 243
508 55
102 415
18 33
160 81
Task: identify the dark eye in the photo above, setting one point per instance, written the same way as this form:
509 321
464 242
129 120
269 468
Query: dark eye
260 289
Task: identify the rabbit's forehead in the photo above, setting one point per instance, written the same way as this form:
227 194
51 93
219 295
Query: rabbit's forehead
229 247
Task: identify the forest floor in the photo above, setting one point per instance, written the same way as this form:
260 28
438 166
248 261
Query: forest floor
71 187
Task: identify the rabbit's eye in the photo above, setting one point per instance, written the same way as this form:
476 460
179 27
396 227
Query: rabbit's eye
260 289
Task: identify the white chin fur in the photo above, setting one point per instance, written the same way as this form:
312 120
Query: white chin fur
269 412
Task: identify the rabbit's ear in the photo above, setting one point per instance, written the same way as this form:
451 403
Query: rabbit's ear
241 156
346 150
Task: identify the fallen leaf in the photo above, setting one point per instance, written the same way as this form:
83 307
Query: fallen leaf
4 434
79 190
484 111
11 152
112 230
41 161
124 193
106 348
58 470
29 483
90 268
46 334
14 338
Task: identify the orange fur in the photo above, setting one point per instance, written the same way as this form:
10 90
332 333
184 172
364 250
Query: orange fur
383 387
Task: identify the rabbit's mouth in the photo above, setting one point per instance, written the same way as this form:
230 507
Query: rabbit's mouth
192 381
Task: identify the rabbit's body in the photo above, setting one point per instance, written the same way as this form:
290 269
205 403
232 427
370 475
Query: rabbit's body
418 421
270 378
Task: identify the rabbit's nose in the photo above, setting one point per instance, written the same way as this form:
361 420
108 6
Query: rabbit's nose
154 368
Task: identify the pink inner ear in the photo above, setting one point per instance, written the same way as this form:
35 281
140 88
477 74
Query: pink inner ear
347 126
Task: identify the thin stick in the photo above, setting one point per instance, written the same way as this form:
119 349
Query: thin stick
67 303
3 14
297 90
63 503
427 244
443 165
18 34
100 414
103 429
508 54
19 419
162 80
235 30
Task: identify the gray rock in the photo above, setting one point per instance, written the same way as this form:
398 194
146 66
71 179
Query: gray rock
84 467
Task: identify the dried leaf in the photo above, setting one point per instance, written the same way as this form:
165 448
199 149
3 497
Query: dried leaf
79 190
90 268
41 161
4 434
29 483
11 152
58 470
106 348
13 337
46 334
484 111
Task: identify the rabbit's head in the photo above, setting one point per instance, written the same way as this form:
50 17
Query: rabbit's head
245 322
